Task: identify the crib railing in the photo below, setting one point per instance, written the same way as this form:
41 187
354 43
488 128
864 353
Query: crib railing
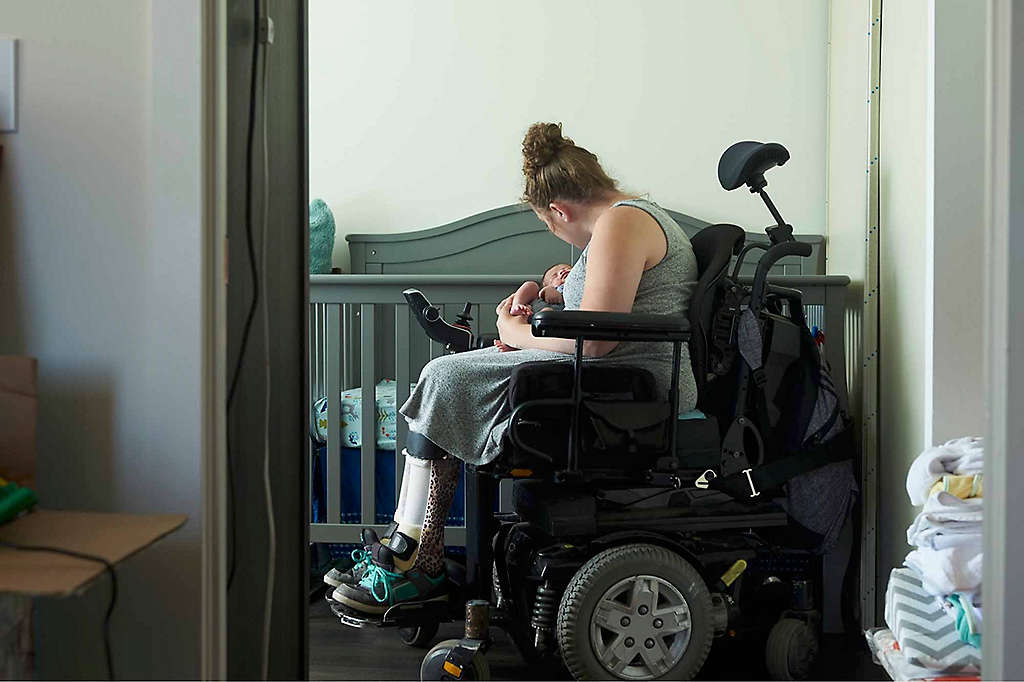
361 331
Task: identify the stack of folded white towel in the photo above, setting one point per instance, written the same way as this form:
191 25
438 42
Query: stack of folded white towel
945 566
933 603
947 481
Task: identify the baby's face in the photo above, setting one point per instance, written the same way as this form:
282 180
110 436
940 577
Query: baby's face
555 276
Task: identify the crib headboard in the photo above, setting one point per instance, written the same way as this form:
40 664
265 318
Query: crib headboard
511 241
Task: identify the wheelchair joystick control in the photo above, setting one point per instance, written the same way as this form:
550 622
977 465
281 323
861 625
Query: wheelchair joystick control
464 318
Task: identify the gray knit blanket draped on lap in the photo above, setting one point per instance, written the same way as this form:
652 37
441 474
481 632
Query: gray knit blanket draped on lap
460 401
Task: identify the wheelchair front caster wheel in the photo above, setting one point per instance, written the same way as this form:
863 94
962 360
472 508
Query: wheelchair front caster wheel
433 666
419 636
791 650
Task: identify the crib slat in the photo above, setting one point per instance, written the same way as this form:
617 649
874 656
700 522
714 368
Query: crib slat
349 316
333 361
402 393
368 427
313 354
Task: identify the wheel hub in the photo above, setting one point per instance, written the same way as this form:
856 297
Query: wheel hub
640 628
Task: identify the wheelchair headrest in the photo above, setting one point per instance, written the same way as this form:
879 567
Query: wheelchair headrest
746 162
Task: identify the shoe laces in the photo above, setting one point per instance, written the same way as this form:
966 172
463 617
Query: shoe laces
360 556
375 577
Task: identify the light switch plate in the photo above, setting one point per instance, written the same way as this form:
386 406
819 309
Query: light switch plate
8 85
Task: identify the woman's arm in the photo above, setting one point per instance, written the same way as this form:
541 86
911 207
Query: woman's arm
625 242
515 331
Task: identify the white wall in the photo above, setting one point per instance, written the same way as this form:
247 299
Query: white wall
931 228
902 237
955 367
848 112
846 208
99 278
417 110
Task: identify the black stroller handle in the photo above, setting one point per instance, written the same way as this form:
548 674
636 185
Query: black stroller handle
765 263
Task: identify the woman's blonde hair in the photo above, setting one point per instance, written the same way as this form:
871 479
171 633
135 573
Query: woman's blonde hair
556 169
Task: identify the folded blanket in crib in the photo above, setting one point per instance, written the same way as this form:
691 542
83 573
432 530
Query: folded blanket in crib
927 635
352 417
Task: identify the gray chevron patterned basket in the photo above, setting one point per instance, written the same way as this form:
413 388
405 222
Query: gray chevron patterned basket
925 632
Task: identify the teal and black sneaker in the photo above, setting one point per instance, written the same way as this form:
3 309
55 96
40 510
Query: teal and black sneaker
382 557
350 571
380 589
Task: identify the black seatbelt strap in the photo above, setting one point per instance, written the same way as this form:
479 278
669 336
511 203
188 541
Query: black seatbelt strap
767 477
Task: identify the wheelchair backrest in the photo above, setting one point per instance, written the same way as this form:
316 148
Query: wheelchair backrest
714 247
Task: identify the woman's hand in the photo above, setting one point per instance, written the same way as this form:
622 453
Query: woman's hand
511 328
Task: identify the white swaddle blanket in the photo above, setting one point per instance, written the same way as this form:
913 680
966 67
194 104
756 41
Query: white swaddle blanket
947 534
945 571
958 456
946 521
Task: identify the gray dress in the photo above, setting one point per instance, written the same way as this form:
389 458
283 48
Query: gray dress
460 400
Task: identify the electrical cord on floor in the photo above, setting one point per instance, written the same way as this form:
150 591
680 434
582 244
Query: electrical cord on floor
253 304
87 557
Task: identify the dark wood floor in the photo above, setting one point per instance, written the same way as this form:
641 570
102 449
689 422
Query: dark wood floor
337 652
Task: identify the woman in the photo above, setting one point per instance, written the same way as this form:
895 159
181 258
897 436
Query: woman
635 258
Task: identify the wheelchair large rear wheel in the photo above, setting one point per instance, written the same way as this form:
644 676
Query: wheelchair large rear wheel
635 612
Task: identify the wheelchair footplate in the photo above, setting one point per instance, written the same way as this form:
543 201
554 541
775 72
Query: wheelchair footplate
406 614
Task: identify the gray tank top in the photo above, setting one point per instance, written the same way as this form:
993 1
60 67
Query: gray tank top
664 289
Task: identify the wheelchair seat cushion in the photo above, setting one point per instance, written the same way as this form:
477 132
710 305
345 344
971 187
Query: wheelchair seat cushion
545 379
621 411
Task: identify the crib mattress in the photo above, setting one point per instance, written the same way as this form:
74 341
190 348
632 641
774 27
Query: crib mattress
352 417
926 633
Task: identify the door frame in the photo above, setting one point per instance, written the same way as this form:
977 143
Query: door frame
1004 353
213 619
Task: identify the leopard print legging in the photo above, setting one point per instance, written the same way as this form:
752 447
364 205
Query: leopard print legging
444 477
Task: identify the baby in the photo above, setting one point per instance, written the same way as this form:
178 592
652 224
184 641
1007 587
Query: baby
549 290
529 293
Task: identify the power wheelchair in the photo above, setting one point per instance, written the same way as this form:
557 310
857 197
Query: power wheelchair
637 538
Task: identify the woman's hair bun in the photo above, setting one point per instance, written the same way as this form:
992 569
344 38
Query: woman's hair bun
541 145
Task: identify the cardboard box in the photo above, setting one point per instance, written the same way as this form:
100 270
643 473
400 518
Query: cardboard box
19 411
113 537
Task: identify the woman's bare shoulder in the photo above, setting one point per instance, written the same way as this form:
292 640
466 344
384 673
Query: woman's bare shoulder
629 225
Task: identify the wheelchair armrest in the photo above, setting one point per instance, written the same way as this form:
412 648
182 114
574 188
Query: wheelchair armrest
603 326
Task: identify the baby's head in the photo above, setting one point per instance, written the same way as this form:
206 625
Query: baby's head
555 275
